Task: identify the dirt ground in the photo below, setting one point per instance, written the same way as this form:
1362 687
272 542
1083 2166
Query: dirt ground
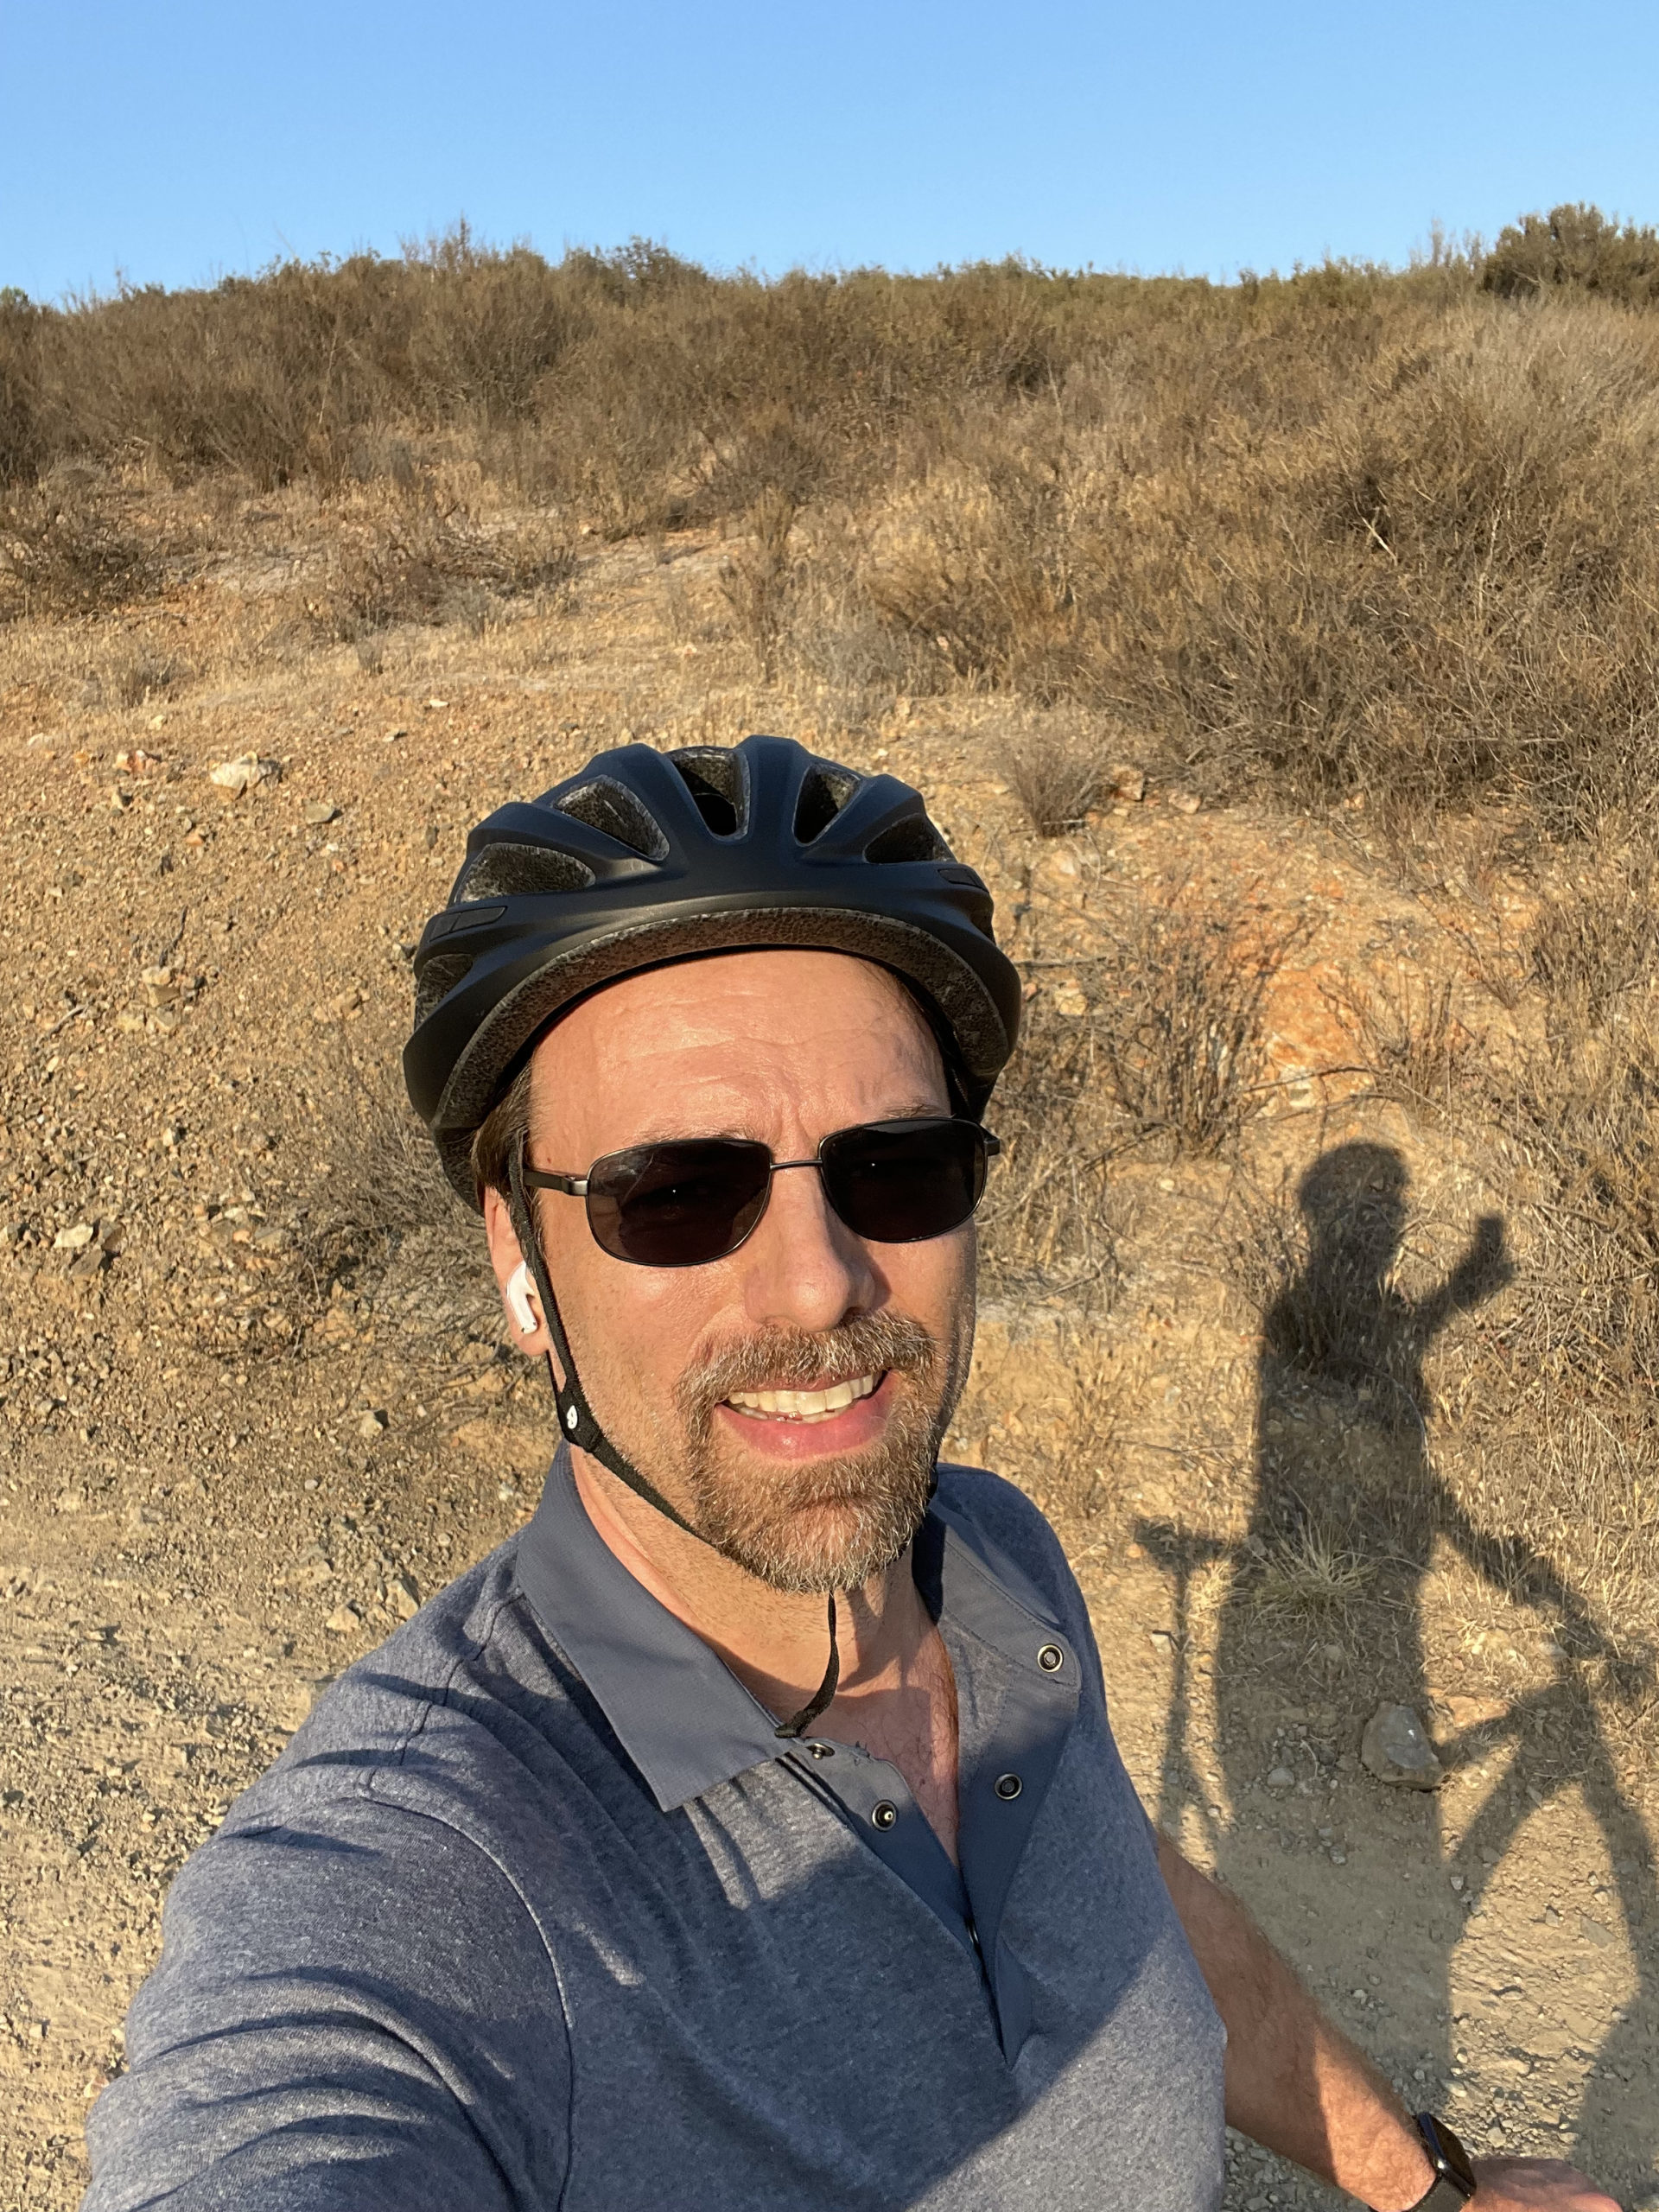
262 1408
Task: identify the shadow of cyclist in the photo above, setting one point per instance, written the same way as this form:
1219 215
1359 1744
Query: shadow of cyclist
1346 1512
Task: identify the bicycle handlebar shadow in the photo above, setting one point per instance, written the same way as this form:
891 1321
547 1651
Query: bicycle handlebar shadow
1343 1469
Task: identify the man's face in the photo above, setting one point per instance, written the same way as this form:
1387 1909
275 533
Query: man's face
698 1374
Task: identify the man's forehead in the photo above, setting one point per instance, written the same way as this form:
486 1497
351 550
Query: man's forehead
741 998
720 1034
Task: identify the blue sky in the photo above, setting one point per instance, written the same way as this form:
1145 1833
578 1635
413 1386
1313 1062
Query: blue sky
173 141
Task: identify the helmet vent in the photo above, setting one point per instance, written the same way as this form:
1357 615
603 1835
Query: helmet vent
913 839
439 976
825 792
713 776
613 809
520 872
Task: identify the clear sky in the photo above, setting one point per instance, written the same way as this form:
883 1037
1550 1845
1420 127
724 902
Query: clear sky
173 141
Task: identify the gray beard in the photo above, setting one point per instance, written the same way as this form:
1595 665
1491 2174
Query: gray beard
834 1524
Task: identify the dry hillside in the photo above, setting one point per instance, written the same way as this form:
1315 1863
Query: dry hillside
1288 659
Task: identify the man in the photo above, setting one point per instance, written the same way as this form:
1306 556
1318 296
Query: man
749 1832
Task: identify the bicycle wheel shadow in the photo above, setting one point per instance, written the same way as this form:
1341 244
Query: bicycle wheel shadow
1322 1618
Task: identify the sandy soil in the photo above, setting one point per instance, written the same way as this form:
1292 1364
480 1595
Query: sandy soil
262 1408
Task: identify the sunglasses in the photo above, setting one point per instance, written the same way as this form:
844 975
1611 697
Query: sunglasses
685 1204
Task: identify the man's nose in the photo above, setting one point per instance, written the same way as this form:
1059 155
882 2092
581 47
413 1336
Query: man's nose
803 1267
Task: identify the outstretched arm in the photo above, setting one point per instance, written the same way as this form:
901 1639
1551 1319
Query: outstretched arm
1295 2083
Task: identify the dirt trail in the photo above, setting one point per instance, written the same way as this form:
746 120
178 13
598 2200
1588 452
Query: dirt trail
261 1407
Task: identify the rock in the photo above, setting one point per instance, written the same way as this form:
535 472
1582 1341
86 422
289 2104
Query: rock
1473 1711
69 1500
1069 1000
1185 802
244 774
1281 1778
373 1426
345 1620
319 811
74 1240
345 1008
162 985
1397 1749
1126 782
404 1595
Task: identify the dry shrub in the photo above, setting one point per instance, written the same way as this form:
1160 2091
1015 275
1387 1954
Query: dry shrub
1176 1020
1594 945
1056 770
1577 248
756 581
1047 1222
1312 1578
389 1222
424 559
67 549
1415 1044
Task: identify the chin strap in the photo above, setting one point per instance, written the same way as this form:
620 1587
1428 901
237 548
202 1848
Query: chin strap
579 1425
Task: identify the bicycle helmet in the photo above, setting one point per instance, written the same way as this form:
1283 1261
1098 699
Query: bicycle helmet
644 857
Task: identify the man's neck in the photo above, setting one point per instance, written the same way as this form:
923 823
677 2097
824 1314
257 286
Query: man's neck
896 1694
774 1641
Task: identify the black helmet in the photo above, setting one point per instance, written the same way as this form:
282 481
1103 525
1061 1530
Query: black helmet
644 857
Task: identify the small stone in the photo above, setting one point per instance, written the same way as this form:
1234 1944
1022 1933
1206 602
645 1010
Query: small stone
444 703
74 1240
345 1620
1160 1640
404 1595
1126 782
243 774
162 985
371 1425
1069 1000
1397 1749
1281 1778
69 1500
1185 801
319 811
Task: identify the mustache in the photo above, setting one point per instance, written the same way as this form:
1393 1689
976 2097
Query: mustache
799 1359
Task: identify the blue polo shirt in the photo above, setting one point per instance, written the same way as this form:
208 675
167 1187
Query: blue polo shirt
537 1910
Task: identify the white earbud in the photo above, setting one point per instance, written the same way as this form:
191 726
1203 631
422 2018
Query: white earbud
521 1300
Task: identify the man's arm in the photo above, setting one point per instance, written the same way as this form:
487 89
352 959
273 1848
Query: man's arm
1295 2083
350 2014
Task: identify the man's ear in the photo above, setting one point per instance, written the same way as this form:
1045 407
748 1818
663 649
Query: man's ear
518 1297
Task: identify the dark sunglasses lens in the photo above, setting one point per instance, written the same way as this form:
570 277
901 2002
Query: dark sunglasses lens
900 1182
677 1206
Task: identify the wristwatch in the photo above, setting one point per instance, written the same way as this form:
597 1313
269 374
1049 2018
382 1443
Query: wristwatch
1454 2177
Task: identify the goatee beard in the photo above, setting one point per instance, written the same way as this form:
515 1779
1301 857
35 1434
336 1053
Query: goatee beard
834 1523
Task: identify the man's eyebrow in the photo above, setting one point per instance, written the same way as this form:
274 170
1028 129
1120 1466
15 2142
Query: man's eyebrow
925 1109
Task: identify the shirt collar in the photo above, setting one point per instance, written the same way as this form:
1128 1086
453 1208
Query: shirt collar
680 1713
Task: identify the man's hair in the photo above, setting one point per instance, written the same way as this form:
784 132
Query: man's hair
502 1131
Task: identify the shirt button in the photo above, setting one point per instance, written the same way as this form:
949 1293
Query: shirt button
885 1813
1051 1658
1007 1787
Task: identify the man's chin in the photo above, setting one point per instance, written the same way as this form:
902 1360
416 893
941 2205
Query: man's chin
823 1548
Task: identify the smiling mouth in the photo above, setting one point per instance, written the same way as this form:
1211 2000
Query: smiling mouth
804 1405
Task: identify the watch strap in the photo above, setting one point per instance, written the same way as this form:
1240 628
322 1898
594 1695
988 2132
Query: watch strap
1454 2177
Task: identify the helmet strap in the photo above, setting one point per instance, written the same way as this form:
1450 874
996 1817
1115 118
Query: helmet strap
579 1425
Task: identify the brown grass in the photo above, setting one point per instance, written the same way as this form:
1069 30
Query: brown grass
1349 532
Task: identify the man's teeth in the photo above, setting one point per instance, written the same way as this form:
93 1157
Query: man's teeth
804 1405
